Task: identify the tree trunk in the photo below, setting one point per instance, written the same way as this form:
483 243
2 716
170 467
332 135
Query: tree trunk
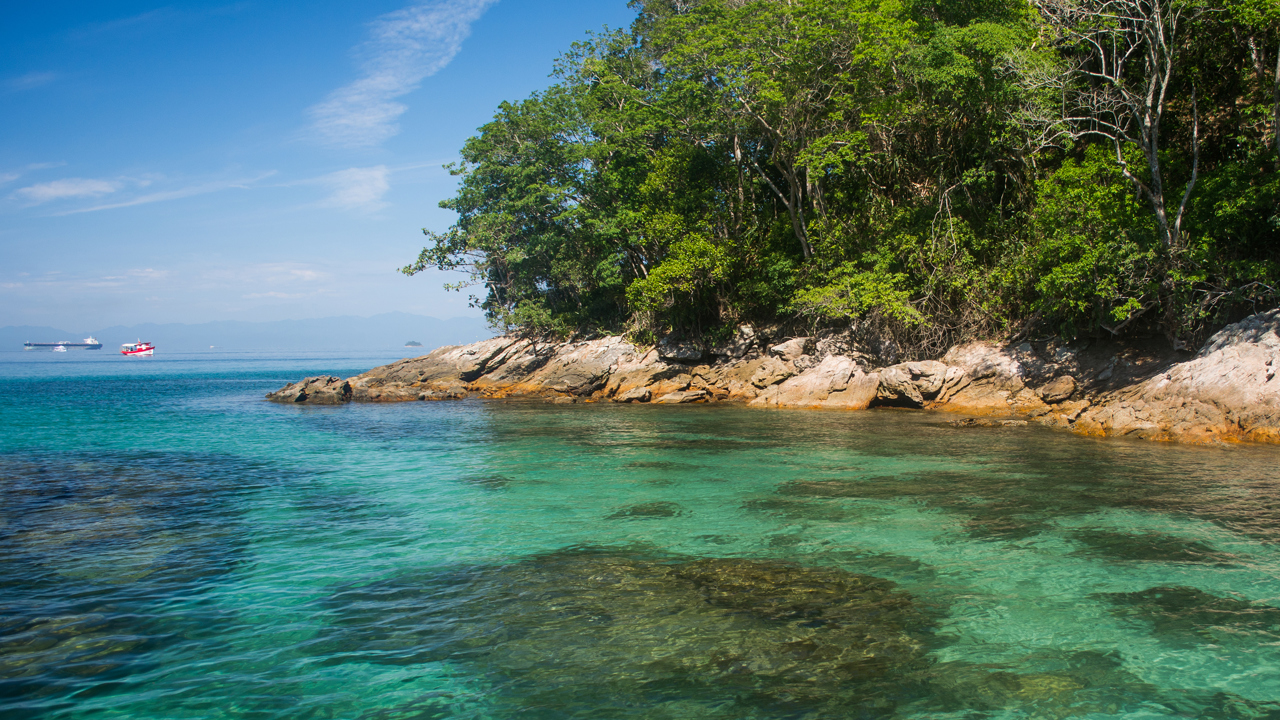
792 203
796 208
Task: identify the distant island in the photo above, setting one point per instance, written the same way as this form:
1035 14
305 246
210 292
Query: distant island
413 343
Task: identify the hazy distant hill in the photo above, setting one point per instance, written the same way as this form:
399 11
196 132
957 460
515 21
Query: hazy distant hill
380 332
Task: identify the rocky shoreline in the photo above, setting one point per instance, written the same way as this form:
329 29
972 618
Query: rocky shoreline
1228 391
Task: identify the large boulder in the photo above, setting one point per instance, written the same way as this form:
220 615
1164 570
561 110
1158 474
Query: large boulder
991 382
682 397
731 380
456 364
793 348
836 383
982 360
441 374
915 383
896 387
574 368
1059 389
1229 391
771 371
640 394
319 390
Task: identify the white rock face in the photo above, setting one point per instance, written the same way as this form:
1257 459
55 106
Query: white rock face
836 383
1229 391
981 360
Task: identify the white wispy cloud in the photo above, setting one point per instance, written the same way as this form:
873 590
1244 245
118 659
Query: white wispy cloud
403 48
10 176
66 188
358 188
30 81
185 192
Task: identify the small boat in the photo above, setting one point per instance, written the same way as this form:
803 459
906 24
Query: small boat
138 348
59 348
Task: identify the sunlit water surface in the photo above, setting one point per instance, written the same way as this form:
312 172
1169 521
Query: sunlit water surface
173 546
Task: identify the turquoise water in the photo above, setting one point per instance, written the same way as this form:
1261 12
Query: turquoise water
172 546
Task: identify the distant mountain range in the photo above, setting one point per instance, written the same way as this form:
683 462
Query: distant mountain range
380 332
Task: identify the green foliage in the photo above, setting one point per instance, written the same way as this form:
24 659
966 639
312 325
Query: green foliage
853 294
859 161
691 270
1094 254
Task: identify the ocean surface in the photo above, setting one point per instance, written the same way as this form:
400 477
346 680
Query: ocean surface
173 546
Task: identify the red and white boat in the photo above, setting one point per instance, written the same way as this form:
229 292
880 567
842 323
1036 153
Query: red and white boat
138 348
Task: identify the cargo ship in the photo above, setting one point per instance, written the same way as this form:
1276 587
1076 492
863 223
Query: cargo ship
89 344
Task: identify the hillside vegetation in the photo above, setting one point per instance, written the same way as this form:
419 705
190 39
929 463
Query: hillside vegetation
929 171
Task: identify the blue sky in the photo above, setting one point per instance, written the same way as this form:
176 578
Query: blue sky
189 162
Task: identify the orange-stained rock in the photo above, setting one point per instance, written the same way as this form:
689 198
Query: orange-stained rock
1230 391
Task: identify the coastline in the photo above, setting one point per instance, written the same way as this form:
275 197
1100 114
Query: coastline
1226 392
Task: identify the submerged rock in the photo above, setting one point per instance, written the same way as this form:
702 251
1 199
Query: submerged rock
614 631
1148 547
1047 684
92 555
986 423
38 649
1189 614
793 509
648 510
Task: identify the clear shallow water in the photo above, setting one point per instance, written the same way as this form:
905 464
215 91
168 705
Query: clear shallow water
172 546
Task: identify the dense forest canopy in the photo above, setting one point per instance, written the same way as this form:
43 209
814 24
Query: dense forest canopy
926 170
